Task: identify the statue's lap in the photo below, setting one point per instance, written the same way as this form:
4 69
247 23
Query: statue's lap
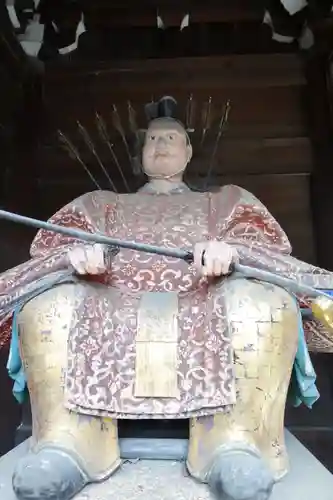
263 324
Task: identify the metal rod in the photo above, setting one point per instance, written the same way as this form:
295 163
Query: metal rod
95 237
276 279
187 255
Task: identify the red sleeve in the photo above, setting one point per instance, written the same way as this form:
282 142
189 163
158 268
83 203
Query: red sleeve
248 222
241 220
90 212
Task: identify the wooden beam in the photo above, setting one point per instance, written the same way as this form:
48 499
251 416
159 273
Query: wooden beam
192 72
255 112
12 56
111 15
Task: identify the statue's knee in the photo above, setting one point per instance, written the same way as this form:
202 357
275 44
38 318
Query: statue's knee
44 323
262 315
257 298
52 308
50 474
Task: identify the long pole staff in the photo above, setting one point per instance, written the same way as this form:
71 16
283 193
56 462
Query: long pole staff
186 255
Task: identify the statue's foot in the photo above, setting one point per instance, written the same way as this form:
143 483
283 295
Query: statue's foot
240 474
50 474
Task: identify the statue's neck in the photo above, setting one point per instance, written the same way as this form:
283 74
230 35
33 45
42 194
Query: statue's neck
164 186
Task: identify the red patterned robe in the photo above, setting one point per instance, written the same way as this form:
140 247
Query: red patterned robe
176 220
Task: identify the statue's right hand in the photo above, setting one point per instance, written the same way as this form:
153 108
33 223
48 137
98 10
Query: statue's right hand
88 259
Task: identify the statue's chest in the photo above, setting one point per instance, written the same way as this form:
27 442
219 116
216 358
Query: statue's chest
177 219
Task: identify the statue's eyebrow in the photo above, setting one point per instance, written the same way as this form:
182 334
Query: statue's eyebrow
179 132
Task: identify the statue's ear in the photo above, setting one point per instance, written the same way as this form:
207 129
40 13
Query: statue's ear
189 152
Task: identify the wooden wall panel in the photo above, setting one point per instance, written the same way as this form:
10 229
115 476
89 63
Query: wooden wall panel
255 112
234 155
288 199
240 70
14 247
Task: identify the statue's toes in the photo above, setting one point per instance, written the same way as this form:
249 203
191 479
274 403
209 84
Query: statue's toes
240 475
50 474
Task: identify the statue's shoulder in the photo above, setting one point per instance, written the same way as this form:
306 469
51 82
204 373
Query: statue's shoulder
237 194
94 198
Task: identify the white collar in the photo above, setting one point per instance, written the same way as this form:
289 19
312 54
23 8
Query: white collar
180 187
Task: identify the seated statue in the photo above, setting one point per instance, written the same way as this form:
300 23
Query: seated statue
129 335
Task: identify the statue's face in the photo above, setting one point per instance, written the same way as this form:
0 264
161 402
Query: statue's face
166 151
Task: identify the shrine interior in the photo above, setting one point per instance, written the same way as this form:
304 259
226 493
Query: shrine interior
73 100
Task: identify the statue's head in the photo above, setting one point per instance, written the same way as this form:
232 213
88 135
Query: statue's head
167 149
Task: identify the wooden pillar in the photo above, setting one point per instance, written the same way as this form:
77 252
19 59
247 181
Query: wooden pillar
318 105
20 122
21 188
320 122
10 415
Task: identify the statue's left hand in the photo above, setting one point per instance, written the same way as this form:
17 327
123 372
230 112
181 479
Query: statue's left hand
214 258
88 259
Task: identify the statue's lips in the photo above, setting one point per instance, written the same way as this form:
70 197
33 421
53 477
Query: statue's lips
162 155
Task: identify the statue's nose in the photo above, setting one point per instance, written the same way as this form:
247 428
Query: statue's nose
161 143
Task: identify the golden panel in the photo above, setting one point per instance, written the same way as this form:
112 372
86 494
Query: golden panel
157 346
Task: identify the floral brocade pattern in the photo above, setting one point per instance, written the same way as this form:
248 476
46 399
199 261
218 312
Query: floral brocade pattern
101 349
101 368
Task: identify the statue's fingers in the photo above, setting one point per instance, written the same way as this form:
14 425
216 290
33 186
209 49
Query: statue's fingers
218 267
205 271
99 252
199 258
94 260
234 257
90 267
226 265
79 267
77 260
208 268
